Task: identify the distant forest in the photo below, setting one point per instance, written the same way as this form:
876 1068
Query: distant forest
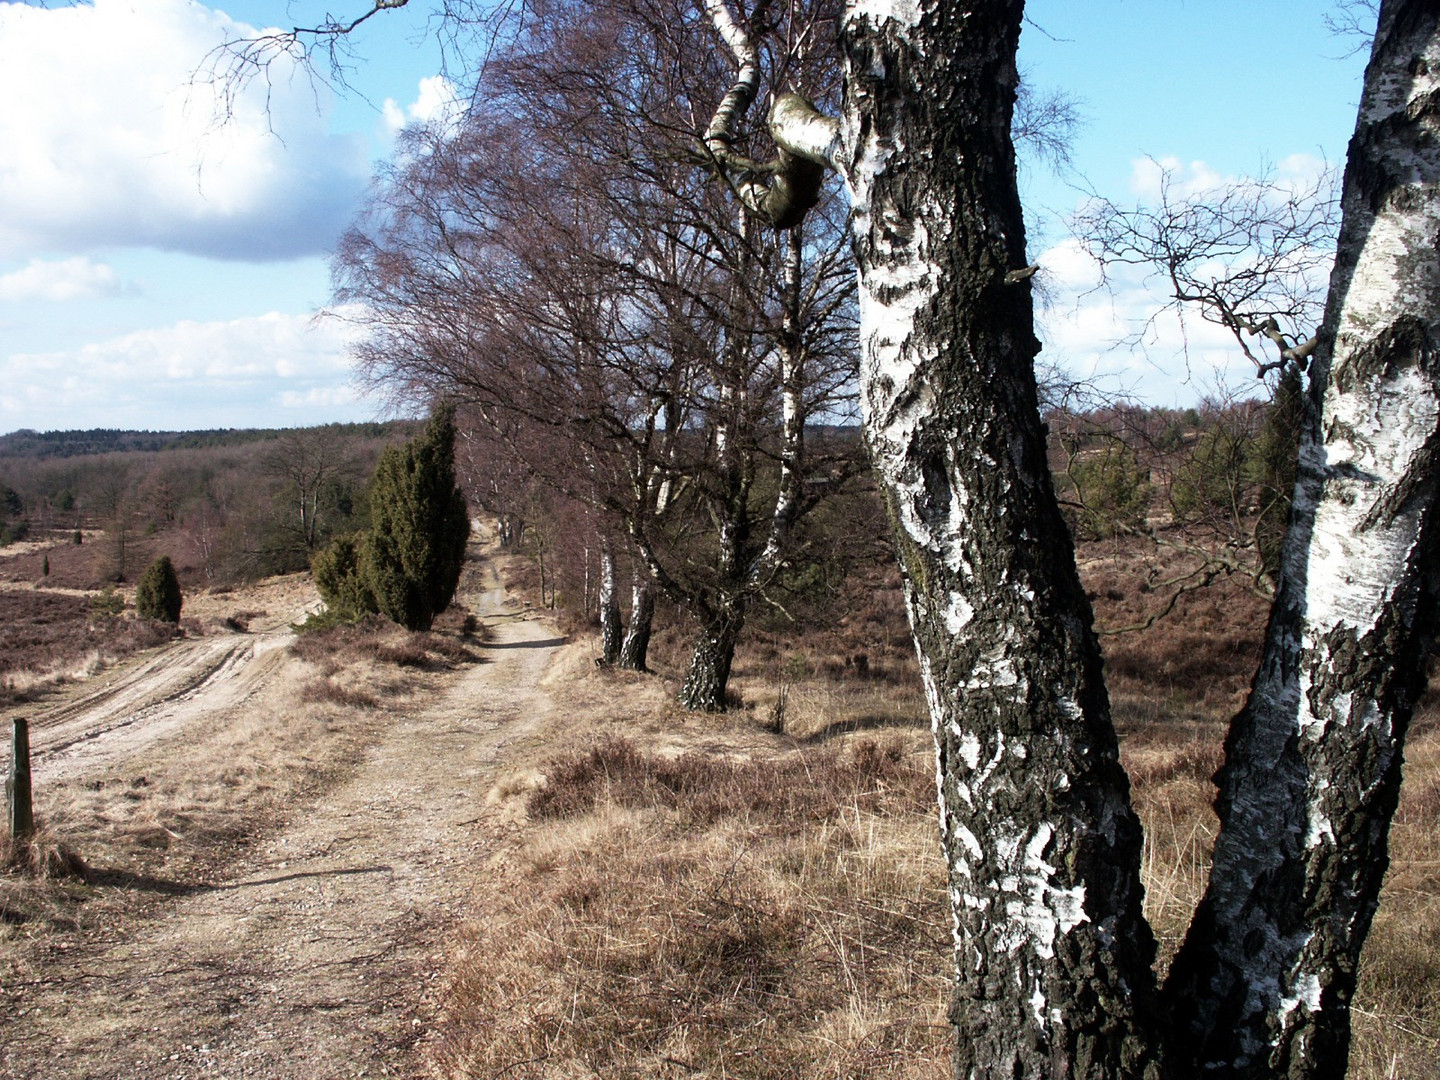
226 506
40 445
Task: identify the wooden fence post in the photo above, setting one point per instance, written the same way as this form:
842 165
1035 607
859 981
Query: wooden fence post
17 784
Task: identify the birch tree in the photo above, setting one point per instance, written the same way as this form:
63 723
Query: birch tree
1053 958
1264 981
608 293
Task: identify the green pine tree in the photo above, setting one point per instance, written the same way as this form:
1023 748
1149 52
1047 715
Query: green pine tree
415 549
158 594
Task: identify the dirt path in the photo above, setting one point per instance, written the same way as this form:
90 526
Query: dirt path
317 956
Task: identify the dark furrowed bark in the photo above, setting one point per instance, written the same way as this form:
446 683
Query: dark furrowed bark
636 644
1262 986
714 652
1053 975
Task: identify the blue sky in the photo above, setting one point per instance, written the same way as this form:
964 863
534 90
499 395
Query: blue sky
160 271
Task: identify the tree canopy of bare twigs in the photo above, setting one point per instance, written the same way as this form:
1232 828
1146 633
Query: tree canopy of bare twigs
1252 256
561 264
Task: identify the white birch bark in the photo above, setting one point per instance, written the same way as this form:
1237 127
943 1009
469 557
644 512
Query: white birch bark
1052 954
610 631
1264 982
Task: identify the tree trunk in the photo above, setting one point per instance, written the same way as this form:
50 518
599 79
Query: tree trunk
709 674
512 528
1052 954
609 607
636 645
1262 986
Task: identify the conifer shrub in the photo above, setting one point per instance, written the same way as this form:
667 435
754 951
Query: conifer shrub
1113 491
157 596
413 554
1214 483
341 581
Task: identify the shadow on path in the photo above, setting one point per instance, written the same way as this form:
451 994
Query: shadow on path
863 723
125 879
547 643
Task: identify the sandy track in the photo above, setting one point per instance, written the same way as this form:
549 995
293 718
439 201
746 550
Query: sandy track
317 956
144 702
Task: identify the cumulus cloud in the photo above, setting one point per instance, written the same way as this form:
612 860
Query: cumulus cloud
270 370
111 141
437 103
1118 333
67 279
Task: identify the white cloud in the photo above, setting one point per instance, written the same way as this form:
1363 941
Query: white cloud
1148 174
1122 328
76 278
270 370
1294 173
437 103
1118 334
109 140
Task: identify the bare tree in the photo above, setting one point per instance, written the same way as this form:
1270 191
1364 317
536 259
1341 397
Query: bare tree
314 464
674 350
1251 256
1052 955
1312 771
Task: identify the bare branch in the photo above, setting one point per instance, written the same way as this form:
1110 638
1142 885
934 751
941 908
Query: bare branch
1252 256
783 190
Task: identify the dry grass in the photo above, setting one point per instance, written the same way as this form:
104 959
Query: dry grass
1397 1008
669 911
366 653
41 855
785 923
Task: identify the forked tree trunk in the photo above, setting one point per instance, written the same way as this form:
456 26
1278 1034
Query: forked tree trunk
1262 986
1052 955
714 652
636 645
609 607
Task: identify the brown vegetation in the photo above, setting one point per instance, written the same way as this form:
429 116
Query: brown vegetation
788 921
48 638
741 903
684 893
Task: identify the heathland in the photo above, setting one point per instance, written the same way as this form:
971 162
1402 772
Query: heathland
358 850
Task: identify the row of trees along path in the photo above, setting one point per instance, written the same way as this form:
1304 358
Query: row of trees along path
1053 957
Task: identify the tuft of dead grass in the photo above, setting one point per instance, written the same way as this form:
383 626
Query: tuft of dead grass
42 856
377 639
714 917
329 691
